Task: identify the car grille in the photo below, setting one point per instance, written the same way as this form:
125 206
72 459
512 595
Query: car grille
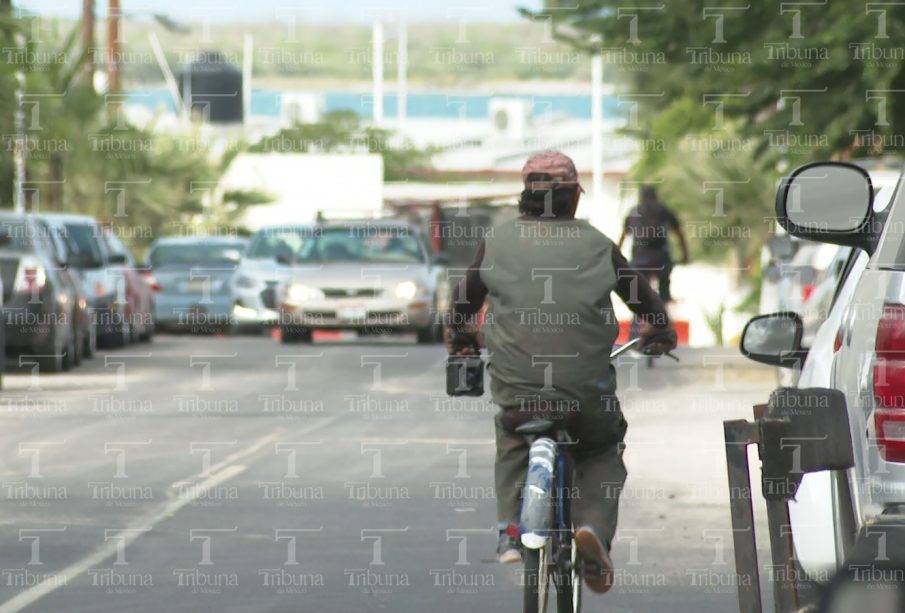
361 292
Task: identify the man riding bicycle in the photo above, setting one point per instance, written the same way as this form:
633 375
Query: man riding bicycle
549 329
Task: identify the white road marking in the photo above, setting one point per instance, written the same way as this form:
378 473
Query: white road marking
219 473
61 578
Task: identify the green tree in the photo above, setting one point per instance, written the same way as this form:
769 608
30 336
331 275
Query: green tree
734 94
802 81
84 156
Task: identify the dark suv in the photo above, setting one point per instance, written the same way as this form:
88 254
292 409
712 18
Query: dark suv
101 272
41 305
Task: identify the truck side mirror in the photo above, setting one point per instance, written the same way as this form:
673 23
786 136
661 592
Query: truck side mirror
828 202
774 339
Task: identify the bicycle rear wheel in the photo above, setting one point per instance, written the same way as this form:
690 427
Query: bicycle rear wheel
568 584
537 579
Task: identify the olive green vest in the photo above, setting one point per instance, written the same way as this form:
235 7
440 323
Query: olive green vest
550 325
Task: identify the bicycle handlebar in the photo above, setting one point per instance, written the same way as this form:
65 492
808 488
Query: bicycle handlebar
668 336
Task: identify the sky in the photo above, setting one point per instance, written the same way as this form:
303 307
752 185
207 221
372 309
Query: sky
307 10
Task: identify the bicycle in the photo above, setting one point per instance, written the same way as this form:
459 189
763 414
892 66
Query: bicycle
549 550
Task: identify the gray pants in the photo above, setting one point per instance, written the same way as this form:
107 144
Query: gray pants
598 479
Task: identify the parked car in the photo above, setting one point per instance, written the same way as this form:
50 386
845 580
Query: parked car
63 251
140 298
40 304
817 297
858 350
363 275
101 274
263 267
194 277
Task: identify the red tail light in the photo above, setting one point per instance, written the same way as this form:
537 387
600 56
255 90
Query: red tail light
151 280
889 383
806 290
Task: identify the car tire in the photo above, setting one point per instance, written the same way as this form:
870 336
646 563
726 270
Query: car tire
295 334
89 342
53 358
431 334
245 329
147 335
77 345
69 350
119 338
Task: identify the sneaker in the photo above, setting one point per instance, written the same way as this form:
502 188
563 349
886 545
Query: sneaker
508 550
597 568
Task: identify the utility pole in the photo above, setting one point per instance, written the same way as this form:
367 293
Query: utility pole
402 75
377 72
597 129
88 41
114 15
19 146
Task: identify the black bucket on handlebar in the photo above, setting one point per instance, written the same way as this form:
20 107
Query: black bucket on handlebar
464 375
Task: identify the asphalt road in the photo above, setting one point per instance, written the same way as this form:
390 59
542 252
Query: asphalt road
236 474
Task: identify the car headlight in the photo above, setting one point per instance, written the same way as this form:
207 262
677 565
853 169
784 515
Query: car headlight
406 290
245 282
298 292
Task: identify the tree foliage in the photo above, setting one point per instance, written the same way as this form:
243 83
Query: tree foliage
84 156
802 81
727 95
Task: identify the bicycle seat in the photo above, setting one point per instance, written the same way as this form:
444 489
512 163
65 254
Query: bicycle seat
536 426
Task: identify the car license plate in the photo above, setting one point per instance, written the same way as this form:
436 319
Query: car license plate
351 313
198 285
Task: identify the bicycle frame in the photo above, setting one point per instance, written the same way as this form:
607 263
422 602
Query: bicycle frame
559 567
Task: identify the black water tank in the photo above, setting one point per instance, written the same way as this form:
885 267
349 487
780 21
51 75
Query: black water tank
213 88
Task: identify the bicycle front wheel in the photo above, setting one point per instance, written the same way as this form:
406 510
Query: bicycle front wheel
537 579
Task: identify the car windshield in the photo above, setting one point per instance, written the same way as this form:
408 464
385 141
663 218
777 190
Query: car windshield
84 237
367 244
267 244
194 254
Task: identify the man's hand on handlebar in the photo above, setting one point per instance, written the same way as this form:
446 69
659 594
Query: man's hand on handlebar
462 340
656 340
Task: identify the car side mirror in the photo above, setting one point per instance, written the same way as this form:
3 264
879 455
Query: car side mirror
118 258
828 202
284 259
774 339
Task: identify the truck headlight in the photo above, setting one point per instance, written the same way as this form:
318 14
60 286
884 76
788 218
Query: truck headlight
298 292
406 290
